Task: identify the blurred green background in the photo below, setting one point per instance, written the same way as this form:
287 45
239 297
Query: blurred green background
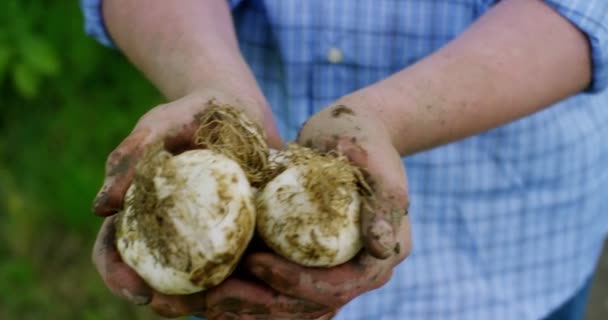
65 102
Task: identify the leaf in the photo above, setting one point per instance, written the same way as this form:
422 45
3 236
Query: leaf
26 81
39 55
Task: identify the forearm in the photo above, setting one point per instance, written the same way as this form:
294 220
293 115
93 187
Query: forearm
520 57
181 46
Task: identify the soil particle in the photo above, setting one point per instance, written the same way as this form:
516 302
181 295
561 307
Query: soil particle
341 110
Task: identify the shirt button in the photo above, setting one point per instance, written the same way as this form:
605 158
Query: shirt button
334 55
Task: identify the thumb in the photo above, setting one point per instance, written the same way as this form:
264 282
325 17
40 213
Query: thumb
120 168
381 214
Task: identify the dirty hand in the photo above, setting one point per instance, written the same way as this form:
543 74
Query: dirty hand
347 128
235 298
175 123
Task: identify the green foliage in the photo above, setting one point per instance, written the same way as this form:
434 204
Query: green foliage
64 112
65 103
26 55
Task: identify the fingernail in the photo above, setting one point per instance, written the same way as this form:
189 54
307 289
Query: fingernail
139 300
102 196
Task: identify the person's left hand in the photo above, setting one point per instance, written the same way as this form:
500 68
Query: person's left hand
362 138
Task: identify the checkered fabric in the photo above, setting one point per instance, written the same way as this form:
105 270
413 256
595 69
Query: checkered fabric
507 224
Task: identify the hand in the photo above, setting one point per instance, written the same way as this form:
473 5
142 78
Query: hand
175 123
350 129
358 135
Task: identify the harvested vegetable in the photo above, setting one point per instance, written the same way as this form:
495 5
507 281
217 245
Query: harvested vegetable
309 212
188 218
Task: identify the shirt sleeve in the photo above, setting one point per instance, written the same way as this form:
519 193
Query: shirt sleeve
95 27
93 22
591 17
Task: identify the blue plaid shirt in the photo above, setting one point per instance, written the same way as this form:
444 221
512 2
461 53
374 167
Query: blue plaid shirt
507 224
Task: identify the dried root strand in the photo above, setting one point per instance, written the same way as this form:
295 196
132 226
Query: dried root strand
228 131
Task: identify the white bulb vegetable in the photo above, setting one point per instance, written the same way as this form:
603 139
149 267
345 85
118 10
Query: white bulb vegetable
309 212
187 220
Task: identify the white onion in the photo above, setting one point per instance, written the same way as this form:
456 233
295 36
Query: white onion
309 213
187 221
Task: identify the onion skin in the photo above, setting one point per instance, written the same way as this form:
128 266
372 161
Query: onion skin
187 220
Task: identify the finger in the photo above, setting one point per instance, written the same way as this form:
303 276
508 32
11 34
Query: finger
120 168
332 287
238 297
404 241
172 306
382 213
178 141
246 298
273 138
117 276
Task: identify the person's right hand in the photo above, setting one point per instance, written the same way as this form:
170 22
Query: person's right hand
175 123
